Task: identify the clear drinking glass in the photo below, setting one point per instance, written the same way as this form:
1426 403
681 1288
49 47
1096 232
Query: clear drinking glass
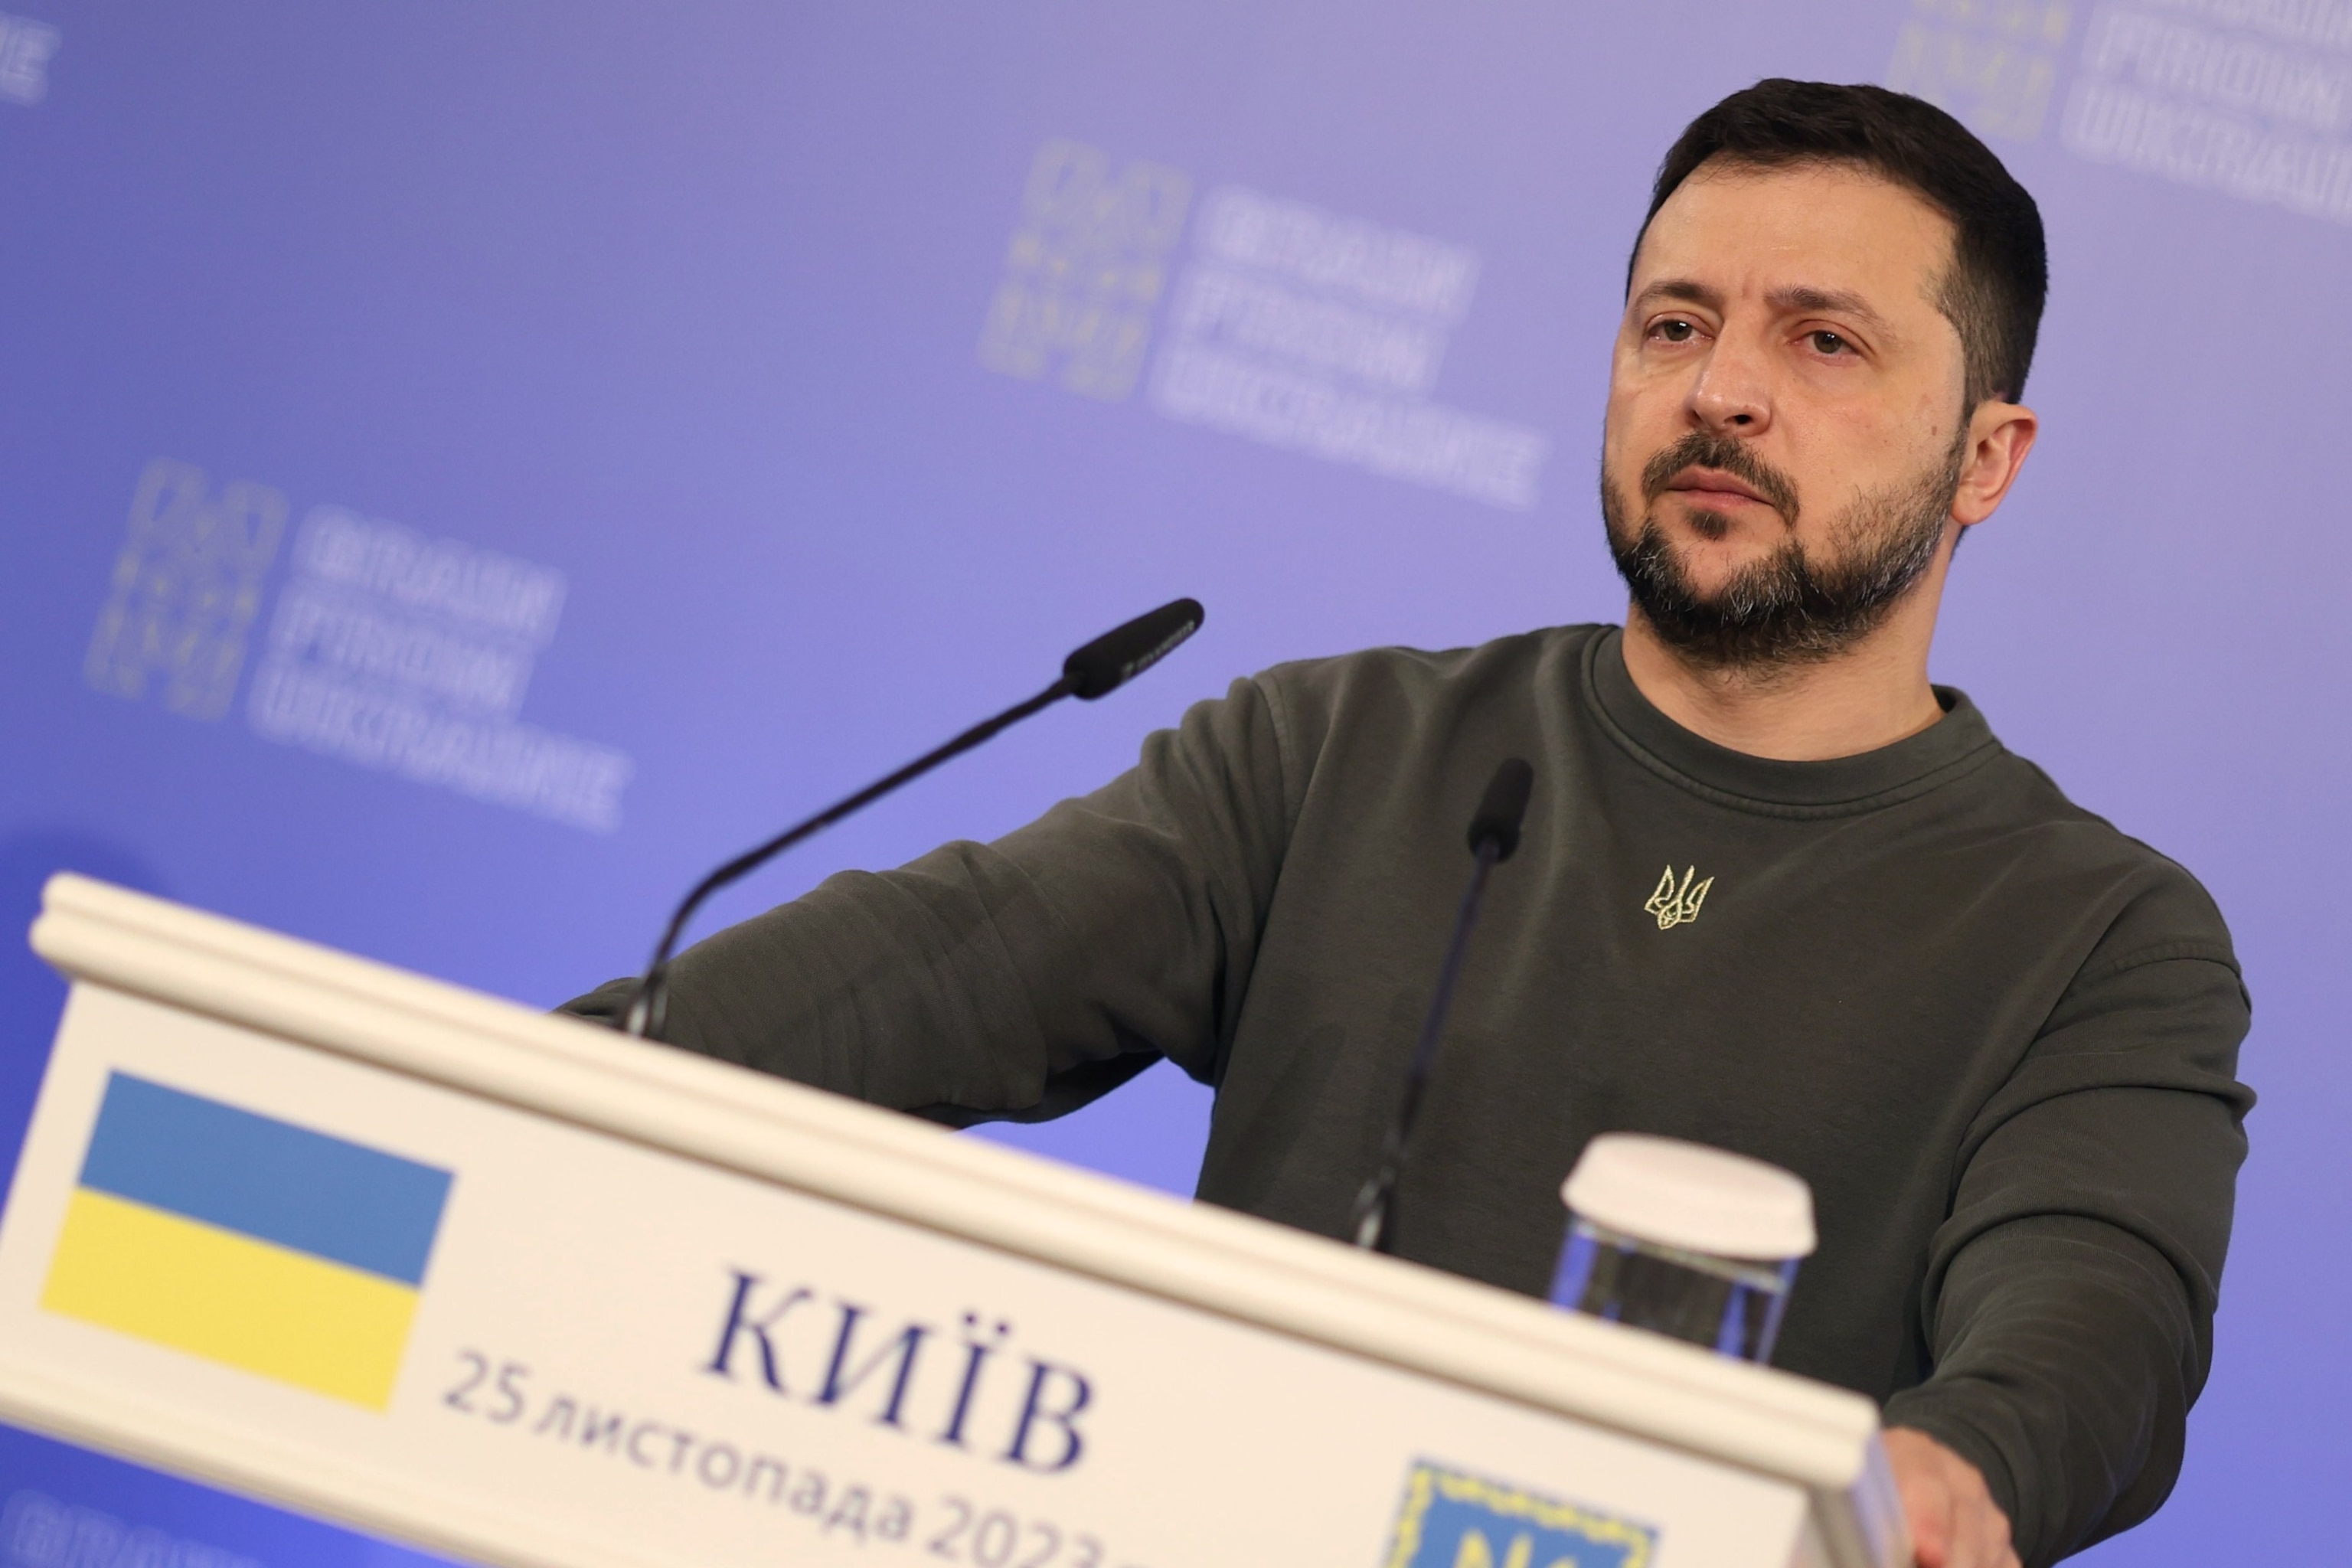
1683 1240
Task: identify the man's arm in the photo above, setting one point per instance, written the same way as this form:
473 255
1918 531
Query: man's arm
2070 1297
1019 979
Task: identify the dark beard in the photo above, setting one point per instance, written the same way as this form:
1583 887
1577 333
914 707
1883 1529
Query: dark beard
1782 611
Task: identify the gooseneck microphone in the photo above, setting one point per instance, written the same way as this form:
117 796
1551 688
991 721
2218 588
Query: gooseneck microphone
1101 668
1494 835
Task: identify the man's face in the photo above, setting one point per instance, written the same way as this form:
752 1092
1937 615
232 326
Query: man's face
1785 420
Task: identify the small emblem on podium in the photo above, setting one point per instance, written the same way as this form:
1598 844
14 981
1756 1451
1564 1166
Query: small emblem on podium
1451 1519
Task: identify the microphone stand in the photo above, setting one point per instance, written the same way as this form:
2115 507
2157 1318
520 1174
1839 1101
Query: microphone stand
648 1007
1494 835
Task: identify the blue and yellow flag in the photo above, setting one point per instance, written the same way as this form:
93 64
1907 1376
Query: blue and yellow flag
247 1240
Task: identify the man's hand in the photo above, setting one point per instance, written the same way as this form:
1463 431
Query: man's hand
1954 1521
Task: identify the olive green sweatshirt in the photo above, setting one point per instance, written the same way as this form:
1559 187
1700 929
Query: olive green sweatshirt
1997 1037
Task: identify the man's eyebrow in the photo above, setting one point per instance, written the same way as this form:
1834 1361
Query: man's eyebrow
1837 302
1686 290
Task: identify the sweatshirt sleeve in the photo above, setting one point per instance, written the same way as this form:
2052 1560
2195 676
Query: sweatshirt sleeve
1019 979
2069 1299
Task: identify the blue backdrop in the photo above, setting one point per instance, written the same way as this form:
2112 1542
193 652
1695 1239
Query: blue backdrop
468 468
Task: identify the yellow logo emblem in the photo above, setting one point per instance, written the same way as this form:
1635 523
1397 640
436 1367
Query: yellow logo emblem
1674 905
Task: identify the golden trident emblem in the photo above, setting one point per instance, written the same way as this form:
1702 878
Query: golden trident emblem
1677 905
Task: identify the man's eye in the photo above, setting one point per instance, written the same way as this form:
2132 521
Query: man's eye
1828 343
1676 331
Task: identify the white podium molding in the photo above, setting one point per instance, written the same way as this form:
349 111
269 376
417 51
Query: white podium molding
623 1233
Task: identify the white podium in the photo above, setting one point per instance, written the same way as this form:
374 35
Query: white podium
515 1289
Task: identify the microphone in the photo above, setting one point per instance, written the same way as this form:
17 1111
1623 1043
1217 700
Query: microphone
1094 671
1121 653
1494 837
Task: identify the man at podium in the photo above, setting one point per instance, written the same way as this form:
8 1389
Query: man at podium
1778 892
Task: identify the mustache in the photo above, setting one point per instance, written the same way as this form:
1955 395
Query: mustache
1705 449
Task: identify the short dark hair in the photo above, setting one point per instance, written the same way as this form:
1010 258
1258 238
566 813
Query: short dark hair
1999 276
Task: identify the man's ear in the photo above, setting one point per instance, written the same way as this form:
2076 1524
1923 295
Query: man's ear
1999 434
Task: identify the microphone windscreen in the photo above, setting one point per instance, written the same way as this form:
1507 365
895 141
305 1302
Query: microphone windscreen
1117 657
1504 807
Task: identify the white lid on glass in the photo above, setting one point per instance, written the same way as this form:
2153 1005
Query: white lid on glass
1674 1194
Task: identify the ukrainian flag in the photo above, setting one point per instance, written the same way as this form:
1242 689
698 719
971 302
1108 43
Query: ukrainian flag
247 1240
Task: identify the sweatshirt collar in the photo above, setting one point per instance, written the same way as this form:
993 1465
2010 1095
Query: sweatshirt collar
1957 744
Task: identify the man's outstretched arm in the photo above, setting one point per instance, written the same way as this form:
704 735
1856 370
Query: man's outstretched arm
2070 1297
1017 979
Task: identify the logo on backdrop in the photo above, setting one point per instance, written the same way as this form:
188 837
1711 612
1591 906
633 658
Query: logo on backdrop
1323 335
1084 270
38 1532
1454 1520
386 649
26 49
2249 98
1289 326
246 1241
187 583
2253 100
1991 65
411 655
1678 905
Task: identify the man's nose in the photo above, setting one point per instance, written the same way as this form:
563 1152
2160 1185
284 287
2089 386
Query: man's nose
1732 394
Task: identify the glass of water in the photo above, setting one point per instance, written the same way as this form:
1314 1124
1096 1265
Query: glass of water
1683 1240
